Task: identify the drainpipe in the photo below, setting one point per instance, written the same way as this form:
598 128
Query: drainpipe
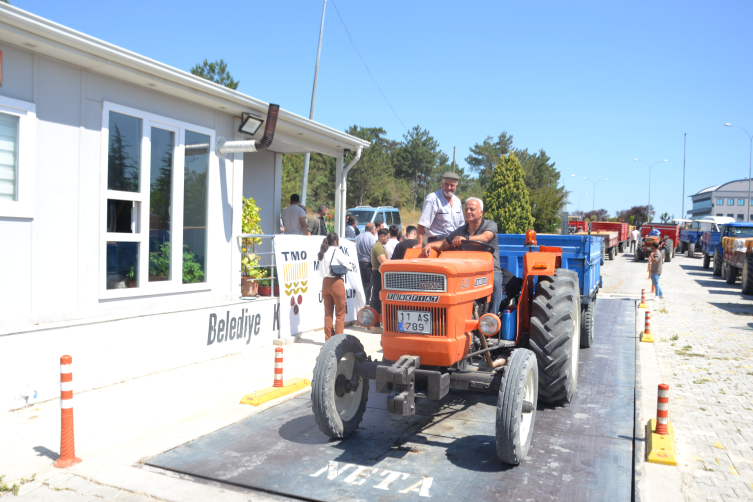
248 146
343 189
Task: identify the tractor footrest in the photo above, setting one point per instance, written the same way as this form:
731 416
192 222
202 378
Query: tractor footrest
405 383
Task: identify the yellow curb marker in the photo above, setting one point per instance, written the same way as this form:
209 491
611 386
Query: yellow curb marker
660 448
265 395
648 338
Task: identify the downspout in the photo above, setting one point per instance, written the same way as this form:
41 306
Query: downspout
248 146
343 187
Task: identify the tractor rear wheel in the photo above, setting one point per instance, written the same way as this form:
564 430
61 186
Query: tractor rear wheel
667 251
555 335
587 325
706 261
691 250
747 275
337 409
717 264
516 407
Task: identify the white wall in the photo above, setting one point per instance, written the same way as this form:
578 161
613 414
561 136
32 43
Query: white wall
262 180
50 270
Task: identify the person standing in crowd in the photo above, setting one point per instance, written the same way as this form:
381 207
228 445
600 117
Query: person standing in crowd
333 286
410 241
634 235
294 218
442 211
351 231
364 242
393 241
655 262
378 256
316 224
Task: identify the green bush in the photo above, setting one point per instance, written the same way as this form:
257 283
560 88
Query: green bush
506 197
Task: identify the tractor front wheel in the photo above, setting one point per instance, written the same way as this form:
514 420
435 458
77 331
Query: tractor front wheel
706 261
587 325
337 407
555 335
747 276
516 407
717 264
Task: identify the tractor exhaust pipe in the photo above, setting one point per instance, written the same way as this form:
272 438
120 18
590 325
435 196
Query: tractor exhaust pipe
224 147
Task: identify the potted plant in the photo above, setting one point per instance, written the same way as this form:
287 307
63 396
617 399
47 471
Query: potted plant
131 276
265 284
250 273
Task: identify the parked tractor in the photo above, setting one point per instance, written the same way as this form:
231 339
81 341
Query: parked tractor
439 336
669 235
737 255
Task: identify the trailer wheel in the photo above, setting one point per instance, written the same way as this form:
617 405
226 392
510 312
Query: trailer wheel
717 264
747 275
587 325
730 273
516 407
610 253
555 335
706 261
338 411
679 248
620 248
691 250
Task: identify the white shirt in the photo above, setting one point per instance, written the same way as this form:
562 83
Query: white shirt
290 219
634 234
390 247
438 217
338 259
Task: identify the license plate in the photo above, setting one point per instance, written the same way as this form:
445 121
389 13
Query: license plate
411 321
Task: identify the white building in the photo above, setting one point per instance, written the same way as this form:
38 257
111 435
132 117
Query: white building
117 218
729 199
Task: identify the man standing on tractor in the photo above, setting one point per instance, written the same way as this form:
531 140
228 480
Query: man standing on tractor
476 228
442 212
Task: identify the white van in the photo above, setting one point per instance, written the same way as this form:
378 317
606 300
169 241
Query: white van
366 214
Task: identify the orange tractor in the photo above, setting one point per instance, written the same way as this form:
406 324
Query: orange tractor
438 336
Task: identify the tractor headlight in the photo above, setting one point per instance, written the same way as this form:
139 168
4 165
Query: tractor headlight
489 324
367 317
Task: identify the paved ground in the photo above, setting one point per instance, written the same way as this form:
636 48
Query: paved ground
703 351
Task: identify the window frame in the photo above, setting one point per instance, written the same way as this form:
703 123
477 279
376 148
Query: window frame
719 202
730 202
24 205
145 287
740 202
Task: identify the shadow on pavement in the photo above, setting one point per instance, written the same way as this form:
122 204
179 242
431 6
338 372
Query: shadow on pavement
735 308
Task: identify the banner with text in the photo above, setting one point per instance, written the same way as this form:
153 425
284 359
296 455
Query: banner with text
301 306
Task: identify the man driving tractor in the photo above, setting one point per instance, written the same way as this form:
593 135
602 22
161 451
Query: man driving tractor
477 228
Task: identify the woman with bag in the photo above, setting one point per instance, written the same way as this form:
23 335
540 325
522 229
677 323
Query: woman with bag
333 267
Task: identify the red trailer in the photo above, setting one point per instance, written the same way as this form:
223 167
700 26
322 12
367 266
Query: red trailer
576 226
622 229
670 235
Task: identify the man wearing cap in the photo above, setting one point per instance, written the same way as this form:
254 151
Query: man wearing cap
442 212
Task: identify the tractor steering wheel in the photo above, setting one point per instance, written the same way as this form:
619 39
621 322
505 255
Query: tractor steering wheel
476 246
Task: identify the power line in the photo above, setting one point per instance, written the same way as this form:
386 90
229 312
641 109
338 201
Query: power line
367 66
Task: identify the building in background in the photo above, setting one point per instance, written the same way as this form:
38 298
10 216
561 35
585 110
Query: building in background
118 219
729 199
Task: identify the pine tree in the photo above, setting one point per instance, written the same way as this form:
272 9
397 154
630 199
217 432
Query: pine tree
506 197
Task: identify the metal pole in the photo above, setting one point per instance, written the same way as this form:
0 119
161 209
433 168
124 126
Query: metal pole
684 144
307 158
453 159
750 162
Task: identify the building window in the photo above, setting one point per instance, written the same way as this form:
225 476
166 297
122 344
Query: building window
740 202
740 217
719 202
730 216
155 186
719 214
730 202
18 144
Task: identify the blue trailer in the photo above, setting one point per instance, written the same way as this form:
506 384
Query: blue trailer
690 240
710 240
580 253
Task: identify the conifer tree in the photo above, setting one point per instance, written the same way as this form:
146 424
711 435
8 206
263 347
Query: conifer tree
506 197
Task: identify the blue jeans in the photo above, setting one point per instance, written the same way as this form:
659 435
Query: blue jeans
498 294
655 281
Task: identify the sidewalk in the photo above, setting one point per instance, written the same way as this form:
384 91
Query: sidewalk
119 426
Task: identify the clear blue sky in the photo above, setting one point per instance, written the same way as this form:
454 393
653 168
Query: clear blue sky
595 84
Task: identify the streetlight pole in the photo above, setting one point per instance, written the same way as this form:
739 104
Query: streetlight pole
750 162
581 195
307 157
648 209
593 207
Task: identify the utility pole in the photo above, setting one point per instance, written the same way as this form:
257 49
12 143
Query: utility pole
684 144
453 159
307 158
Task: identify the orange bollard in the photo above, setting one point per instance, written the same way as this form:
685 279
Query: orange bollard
662 410
278 367
643 305
646 335
67 446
